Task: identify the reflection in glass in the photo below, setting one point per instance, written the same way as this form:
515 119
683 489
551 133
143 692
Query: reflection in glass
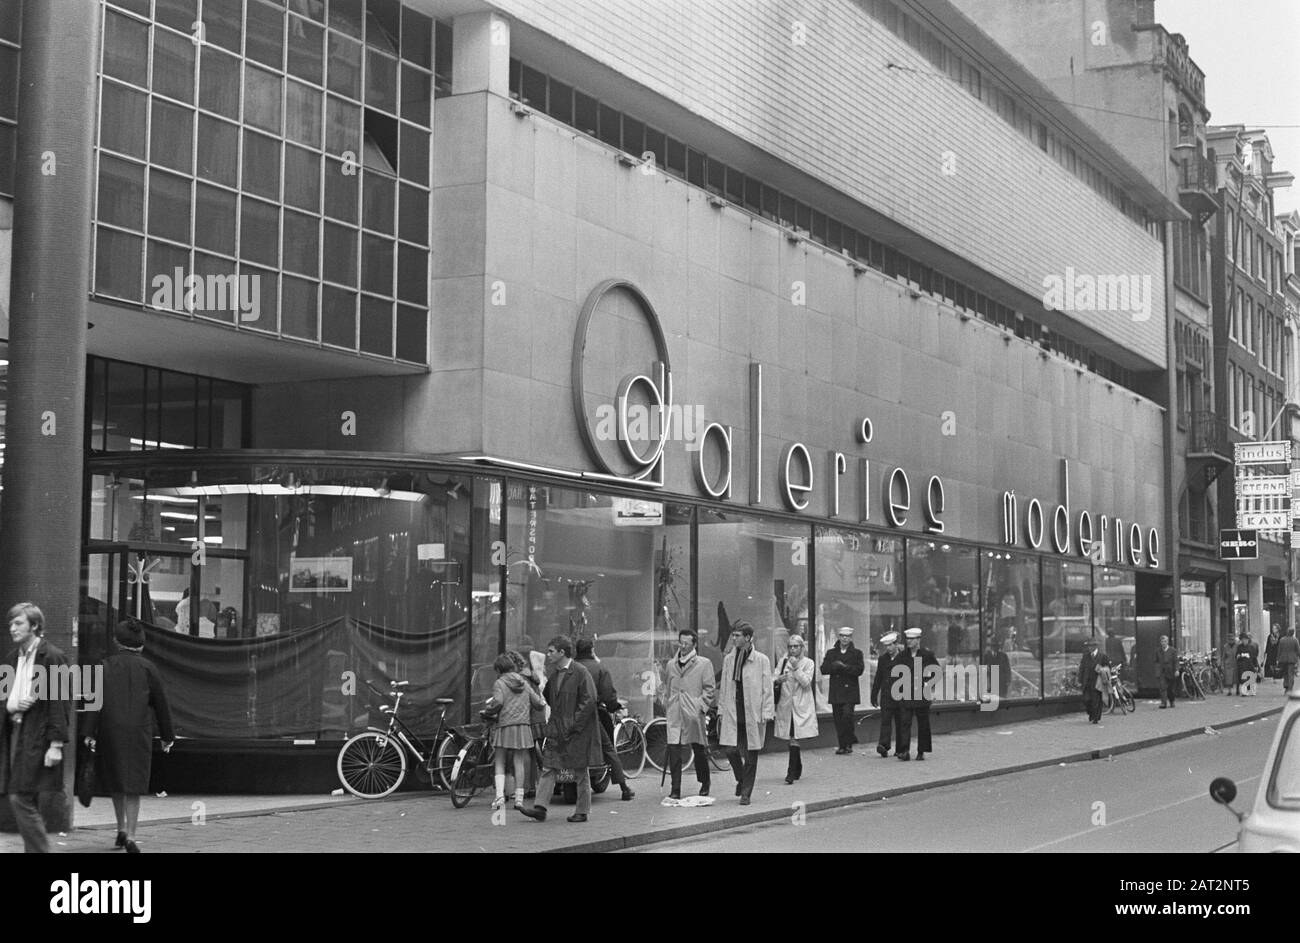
944 602
1067 624
1011 610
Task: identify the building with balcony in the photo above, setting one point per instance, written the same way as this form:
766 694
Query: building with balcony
551 317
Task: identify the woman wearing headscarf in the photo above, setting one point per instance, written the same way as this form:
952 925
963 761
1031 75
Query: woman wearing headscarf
121 731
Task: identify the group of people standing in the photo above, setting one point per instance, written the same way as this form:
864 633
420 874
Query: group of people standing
37 726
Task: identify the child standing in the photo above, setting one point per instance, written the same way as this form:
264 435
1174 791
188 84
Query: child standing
513 734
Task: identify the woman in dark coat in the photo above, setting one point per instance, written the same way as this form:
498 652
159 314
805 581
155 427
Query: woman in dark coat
121 732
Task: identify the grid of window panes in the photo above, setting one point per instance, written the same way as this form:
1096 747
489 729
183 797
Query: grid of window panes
10 12
287 140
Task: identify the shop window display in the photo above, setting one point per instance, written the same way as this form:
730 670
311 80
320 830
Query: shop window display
943 601
859 584
1067 624
1011 620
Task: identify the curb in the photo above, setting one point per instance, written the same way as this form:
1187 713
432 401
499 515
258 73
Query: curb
626 842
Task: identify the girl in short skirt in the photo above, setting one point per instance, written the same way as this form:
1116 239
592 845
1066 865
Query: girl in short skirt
513 734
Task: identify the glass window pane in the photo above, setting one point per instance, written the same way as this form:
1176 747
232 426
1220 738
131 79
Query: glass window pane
177 401
7 157
413 212
118 261
343 128
173 66
298 316
264 287
417 95
262 99
339 317
261 165
345 15
171 142
126 49
122 120
302 118
301 243
383 24
125 409
417 38
340 254
223 23
259 232
305 57
265 42
164 289
413 274
1011 618
217 271
121 193
214 219
8 82
1067 624
341 191
219 82
178 14
381 82
377 265
218 152
378 205
376 326
302 178
413 164
943 601
344 66
10 14
412 334
169 206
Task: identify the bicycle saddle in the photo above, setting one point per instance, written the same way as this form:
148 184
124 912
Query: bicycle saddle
444 701
398 684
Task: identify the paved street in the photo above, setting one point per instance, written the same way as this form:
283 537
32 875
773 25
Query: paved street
1053 802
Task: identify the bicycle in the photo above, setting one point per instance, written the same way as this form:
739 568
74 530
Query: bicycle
656 740
1120 696
474 768
373 763
630 745
1190 688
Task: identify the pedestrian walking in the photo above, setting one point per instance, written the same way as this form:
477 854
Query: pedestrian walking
689 693
1229 656
844 664
747 706
512 735
1104 671
35 727
572 733
1088 681
882 692
532 668
1270 652
796 708
1166 672
915 702
1288 656
607 705
121 731
1247 666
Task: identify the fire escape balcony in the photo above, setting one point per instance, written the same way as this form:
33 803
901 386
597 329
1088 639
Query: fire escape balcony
1209 449
1197 190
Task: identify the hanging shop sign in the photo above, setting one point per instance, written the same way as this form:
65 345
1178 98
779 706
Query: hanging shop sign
1262 453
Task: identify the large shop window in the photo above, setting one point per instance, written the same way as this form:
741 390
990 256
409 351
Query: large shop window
1011 617
1067 624
617 570
943 601
4 399
275 592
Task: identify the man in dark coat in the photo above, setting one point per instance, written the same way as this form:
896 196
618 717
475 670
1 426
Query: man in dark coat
1288 656
882 694
844 664
35 727
1088 681
1166 671
910 670
607 705
121 732
572 733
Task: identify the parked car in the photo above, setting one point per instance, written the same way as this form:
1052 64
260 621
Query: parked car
1273 822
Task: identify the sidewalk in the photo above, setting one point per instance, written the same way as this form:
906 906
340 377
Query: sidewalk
425 821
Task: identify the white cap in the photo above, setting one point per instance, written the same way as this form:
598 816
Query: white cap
889 638
846 630
912 633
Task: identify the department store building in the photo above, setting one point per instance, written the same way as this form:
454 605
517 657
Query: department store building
426 330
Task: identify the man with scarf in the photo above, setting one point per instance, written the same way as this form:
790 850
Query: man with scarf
747 706
688 694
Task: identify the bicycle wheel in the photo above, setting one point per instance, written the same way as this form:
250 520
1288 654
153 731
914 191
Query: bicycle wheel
629 744
656 743
371 765
718 757
1215 683
1127 697
445 759
466 769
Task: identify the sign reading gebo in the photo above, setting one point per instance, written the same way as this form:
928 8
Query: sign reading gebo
1238 545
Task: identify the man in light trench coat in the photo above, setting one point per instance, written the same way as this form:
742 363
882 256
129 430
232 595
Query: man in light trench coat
747 706
689 691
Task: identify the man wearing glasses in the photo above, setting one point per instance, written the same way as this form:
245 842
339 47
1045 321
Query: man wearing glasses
747 706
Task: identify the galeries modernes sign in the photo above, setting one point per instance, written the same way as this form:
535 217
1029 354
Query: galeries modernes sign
1094 536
